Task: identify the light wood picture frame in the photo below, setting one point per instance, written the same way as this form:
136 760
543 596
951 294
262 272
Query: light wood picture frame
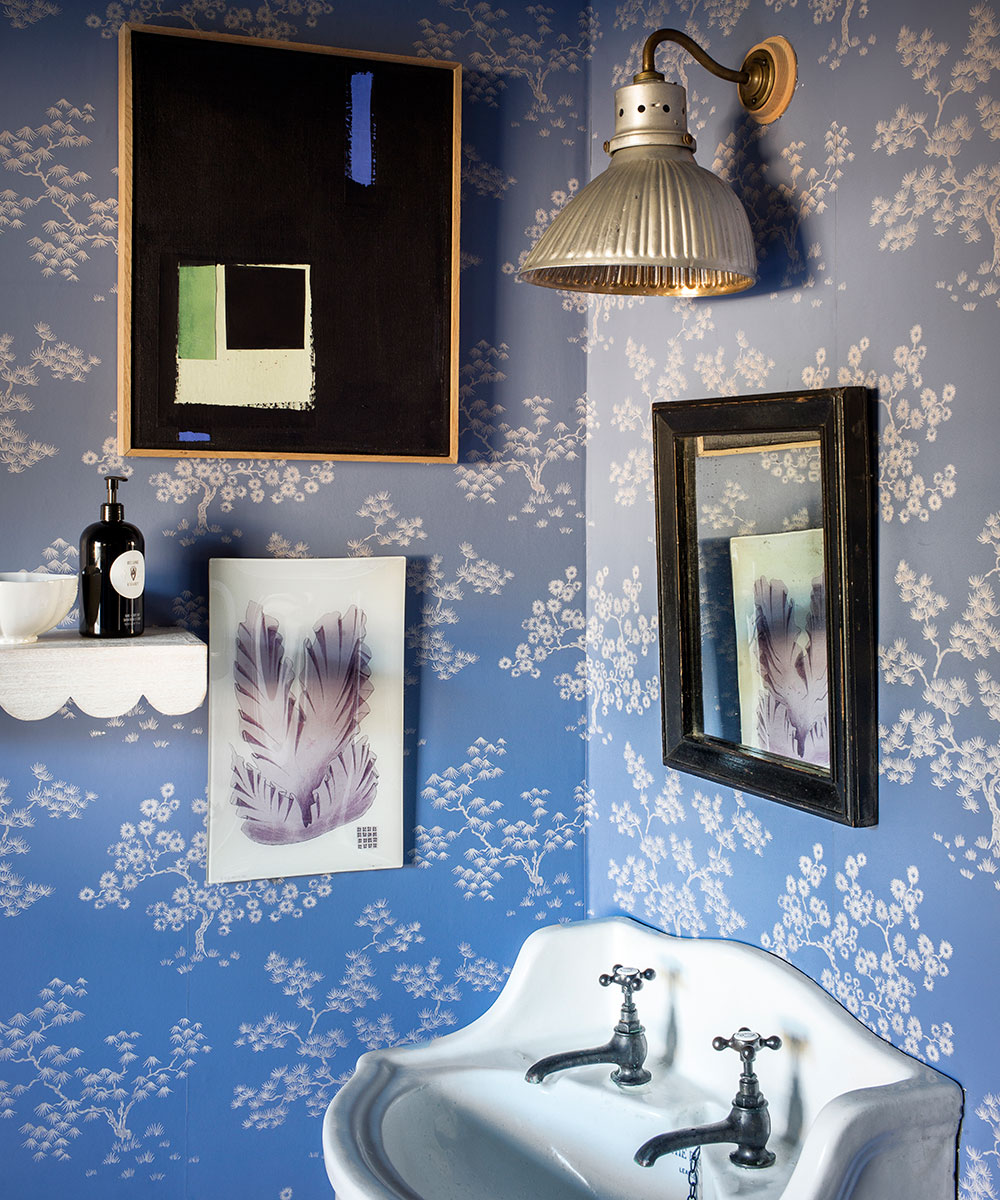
288 267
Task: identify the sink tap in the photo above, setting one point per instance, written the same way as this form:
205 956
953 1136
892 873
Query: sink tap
627 1047
748 1123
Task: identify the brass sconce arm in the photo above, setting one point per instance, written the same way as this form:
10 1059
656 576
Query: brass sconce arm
765 81
701 56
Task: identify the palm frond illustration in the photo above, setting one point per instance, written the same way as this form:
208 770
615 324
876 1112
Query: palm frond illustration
792 713
307 770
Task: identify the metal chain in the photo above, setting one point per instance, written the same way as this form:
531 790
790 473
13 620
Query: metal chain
692 1173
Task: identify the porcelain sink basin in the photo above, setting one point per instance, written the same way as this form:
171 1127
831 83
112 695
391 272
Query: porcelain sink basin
474 1135
852 1118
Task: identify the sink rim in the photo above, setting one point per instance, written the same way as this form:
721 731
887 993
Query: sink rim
855 1118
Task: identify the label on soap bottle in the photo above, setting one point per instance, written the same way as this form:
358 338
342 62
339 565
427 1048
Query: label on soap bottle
128 574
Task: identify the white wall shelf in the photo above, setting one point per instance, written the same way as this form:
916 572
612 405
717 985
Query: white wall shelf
105 677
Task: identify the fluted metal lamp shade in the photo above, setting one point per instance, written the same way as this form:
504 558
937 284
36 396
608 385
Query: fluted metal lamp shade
650 225
654 223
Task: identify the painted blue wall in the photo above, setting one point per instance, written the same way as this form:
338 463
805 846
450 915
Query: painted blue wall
874 202
163 1037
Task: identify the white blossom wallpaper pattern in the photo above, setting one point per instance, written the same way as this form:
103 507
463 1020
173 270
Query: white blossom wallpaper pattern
159 1036
873 202
163 1036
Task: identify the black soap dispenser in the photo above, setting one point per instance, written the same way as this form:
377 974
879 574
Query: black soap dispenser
112 572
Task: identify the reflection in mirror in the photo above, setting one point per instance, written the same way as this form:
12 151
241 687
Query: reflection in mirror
762 595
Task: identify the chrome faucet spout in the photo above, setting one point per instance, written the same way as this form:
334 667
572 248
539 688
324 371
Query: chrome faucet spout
626 1048
685 1139
749 1128
626 1051
748 1123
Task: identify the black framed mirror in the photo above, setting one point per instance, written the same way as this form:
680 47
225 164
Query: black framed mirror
764 539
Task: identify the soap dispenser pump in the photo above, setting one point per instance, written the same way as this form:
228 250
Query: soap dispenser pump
112 572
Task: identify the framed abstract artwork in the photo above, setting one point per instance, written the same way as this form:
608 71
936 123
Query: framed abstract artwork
305 771
288 267
766 594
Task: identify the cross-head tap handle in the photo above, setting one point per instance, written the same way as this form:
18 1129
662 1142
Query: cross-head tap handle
746 1043
629 979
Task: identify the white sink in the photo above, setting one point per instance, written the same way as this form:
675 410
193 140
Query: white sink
852 1118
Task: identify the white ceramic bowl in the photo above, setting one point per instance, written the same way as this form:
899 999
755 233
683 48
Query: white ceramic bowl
31 603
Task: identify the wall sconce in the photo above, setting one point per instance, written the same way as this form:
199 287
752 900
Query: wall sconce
655 223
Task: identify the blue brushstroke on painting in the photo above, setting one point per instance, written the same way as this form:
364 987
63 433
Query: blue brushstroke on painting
361 159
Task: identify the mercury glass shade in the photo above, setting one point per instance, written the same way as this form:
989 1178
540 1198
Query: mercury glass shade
654 223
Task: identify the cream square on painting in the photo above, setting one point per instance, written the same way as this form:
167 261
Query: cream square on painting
217 368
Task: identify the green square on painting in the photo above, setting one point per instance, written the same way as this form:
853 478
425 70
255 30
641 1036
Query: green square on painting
196 311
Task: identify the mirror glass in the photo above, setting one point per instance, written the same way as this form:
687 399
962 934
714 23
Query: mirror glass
762 604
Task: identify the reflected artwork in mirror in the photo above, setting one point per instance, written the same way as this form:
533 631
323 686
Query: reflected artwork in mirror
767 617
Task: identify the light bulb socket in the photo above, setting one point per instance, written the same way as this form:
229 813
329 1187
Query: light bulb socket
650 113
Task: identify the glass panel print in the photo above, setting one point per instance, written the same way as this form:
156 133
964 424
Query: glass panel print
746 486
779 598
305 716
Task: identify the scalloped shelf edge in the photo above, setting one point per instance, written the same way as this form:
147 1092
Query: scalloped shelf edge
104 677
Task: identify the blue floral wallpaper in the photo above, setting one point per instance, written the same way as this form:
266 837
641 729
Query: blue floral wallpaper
874 202
159 1036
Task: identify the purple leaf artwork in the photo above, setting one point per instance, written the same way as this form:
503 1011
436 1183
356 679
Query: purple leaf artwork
305 754
792 709
306 769
779 597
